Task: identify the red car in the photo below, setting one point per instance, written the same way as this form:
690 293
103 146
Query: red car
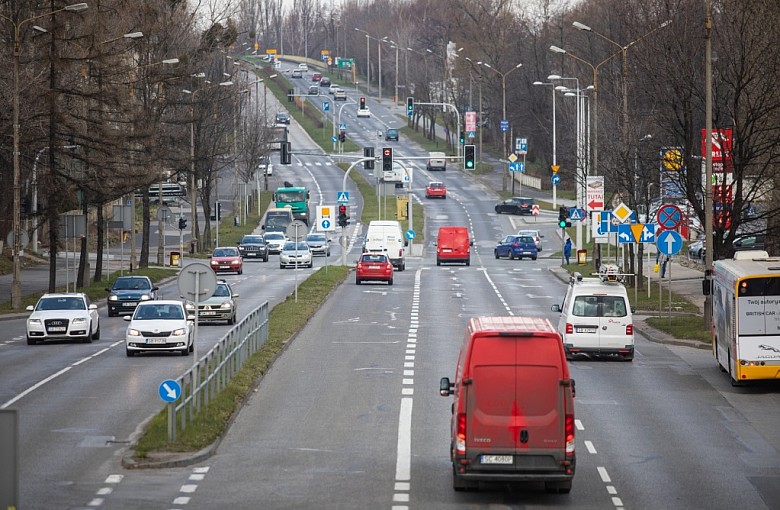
436 190
227 259
374 267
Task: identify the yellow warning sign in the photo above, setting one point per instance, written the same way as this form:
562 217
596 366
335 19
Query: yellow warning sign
555 168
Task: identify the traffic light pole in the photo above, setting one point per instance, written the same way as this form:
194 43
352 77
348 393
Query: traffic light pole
344 187
457 116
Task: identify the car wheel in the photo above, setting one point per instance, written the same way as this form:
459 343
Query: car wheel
498 210
357 281
311 265
232 319
88 338
265 259
533 258
390 281
241 271
495 252
96 336
185 351
111 314
129 353
31 341
438 261
281 266
468 261
192 346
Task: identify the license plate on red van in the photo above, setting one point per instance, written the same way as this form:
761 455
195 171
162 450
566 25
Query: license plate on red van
496 459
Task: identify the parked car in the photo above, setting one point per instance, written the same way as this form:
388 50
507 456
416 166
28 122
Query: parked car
374 267
295 255
127 291
160 326
696 249
282 118
535 234
63 316
749 242
319 244
391 134
275 241
221 306
226 259
516 205
363 112
340 95
516 247
436 189
253 246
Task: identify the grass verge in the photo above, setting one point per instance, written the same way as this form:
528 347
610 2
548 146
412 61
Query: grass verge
285 319
690 327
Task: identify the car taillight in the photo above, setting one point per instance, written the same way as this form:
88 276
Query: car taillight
460 439
360 265
569 426
389 266
514 245
630 329
569 329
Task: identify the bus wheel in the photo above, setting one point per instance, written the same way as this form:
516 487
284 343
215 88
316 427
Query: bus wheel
734 382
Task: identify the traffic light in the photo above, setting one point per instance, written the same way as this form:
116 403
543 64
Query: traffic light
182 223
362 103
468 157
563 218
368 152
342 136
410 106
286 156
290 94
387 159
462 138
343 218
216 212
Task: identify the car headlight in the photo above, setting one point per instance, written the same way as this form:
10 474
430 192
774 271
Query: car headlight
235 262
36 322
133 332
145 297
189 306
179 332
227 305
79 320
113 297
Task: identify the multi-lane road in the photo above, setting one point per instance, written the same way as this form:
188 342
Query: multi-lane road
349 417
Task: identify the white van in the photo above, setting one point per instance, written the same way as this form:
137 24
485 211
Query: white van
436 161
596 316
387 237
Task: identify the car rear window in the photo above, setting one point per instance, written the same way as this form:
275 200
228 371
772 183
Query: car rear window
374 258
599 306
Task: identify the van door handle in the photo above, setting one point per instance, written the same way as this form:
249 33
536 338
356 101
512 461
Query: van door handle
524 436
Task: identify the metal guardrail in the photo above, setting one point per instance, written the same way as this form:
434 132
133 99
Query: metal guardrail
215 369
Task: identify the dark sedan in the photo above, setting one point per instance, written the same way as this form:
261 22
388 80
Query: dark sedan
516 205
127 291
516 247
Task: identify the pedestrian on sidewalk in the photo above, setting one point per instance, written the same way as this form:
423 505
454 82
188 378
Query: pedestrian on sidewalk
567 250
662 260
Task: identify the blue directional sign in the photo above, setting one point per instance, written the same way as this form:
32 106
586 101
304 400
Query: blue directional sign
325 224
410 234
625 235
169 390
555 179
517 166
334 139
504 126
669 242
342 197
326 106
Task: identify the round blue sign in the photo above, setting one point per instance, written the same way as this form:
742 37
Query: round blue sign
410 234
169 390
555 179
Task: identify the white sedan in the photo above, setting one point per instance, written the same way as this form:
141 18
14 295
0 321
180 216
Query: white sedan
64 316
160 326
295 255
363 112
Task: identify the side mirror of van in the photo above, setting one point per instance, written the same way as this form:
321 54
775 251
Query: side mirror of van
556 308
262 227
445 387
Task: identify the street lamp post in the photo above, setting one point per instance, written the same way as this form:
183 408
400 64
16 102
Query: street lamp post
16 284
395 45
368 60
707 189
503 109
554 150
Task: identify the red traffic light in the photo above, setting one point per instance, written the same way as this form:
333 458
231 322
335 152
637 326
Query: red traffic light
387 152
342 209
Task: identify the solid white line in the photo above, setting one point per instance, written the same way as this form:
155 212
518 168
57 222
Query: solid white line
403 463
35 387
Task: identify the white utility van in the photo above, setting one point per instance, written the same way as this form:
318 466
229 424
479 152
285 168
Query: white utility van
596 316
387 237
436 161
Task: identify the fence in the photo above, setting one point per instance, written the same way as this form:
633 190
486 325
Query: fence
214 370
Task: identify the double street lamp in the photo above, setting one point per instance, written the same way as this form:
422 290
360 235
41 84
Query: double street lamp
554 149
503 95
16 284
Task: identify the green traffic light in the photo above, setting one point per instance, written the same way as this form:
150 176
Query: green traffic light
562 223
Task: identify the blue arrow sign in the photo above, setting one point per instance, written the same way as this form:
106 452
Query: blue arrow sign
342 197
648 233
669 242
517 166
334 139
504 126
625 235
410 234
325 224
555 179
326 106
169 390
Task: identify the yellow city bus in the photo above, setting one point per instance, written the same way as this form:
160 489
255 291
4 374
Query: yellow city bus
746 316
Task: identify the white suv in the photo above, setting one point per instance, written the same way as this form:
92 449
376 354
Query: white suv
535 234
596 316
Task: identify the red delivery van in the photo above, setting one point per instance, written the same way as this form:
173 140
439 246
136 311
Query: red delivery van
453 245
513 410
